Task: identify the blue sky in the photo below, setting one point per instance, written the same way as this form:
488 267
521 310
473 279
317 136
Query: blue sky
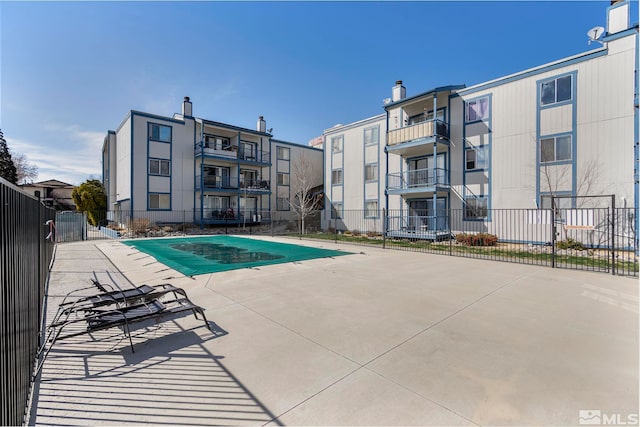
70 71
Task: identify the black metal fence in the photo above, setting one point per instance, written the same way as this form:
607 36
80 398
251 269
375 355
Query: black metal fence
597 239
594 239
25 255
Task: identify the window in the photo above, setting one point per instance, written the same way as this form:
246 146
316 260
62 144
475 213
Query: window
478 109
283 153
555 149
159 201
159 167
475 208
217 142
282 204
371 209
336 177
556 90
336 210
371 135
159 132
283 178
476 158
336 144
371 172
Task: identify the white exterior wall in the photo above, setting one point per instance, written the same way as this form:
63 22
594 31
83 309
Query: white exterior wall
302 160
354 191
123 166
602 126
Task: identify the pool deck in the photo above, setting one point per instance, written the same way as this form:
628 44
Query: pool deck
380 337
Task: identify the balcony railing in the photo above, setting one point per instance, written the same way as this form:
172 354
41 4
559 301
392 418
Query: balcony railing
255 185
421 130
233 152
418 178
212 182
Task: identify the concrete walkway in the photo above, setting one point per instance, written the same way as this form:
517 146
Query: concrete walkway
380 337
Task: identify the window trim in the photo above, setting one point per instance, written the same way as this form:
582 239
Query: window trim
377 210
151 125
485 149
474 101
283 174
555 149
149 208
375 130
555 94
280 149
377 174
341 177
335 139
159 173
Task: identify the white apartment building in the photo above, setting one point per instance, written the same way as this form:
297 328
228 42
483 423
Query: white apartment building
450 156
189 169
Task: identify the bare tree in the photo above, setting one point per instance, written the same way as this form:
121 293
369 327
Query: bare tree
25 171
304 201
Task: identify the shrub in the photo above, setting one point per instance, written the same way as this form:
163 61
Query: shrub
479 239
140 225
570 244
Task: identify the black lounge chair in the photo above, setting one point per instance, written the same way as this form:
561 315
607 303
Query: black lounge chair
99 319
109 295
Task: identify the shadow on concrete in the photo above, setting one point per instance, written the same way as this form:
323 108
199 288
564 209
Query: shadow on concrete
171 379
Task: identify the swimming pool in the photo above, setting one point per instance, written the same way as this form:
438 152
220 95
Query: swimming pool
210 254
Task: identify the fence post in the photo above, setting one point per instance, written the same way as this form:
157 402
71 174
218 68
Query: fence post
38 235
384 228
553 232
613 234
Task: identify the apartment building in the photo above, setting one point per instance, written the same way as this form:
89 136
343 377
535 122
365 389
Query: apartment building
566 128
185 168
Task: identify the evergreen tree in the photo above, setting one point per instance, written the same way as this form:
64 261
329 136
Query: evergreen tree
7 167
90 197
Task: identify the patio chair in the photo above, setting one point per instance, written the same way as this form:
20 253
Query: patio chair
109 295
101 319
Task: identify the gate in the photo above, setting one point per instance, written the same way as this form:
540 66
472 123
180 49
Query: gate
73 226
590 233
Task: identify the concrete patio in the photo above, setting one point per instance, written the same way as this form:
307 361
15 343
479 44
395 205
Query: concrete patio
380 337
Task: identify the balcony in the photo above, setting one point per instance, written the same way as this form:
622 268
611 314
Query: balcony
412 140
217 183
255 186
418 182
229 184
424 227
245 153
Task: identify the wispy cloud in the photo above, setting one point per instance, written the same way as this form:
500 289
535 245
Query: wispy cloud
69 153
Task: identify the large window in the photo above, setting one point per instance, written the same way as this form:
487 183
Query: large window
336 144
371 172
555 149
283 178
475 207
556 90
159 201
476 158
159 132
283 153
336 177
371 209
560 202
159 167
478 109
371 135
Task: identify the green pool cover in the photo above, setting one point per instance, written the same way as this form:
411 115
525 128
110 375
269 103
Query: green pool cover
210 254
